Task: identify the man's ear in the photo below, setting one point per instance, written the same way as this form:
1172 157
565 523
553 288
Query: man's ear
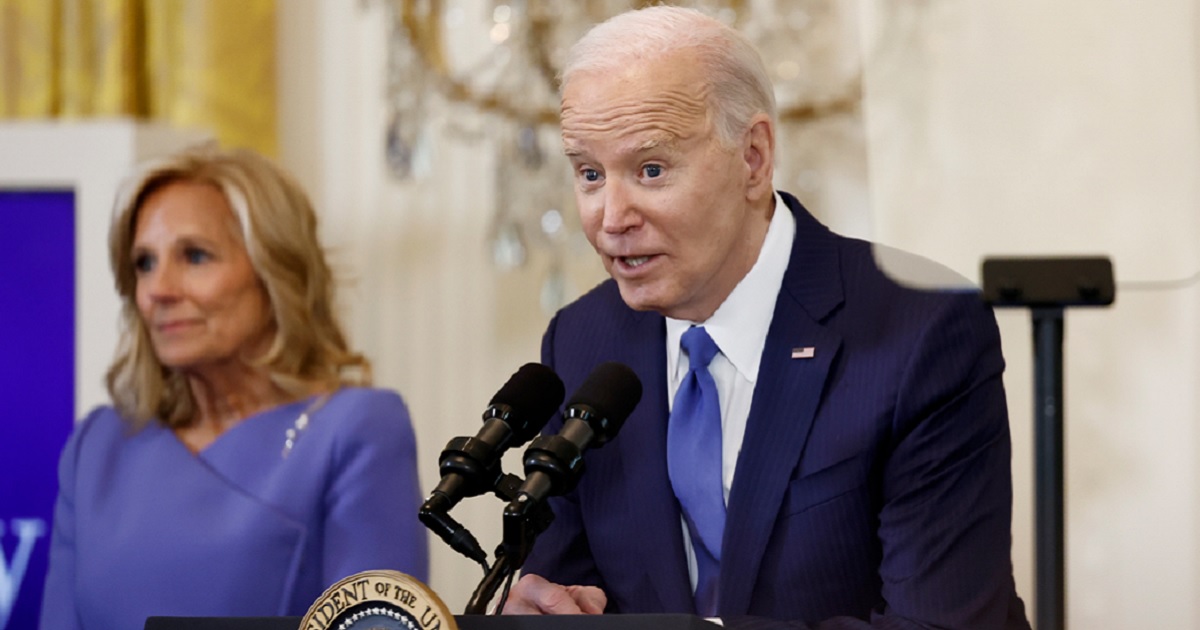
759 156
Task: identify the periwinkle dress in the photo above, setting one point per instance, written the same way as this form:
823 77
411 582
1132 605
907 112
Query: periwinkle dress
144 527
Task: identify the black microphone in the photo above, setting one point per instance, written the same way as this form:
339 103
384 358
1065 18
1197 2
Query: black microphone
470 466
594 415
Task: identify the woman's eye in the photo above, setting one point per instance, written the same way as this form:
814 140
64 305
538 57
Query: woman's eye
591 174
652 170
143 263
195 255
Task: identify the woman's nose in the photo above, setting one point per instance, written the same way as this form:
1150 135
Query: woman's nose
162 282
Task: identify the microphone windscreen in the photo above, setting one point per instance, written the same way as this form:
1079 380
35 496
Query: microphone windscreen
533 393
612 390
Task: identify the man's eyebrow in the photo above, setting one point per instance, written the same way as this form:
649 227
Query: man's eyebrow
666 140
655 143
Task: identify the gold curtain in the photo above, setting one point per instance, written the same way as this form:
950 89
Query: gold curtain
191 63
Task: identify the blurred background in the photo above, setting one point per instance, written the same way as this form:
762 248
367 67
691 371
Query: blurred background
425 133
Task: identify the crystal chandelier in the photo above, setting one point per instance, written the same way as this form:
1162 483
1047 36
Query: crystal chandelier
495 63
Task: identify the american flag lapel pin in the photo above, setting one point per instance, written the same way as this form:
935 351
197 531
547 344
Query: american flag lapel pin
805 352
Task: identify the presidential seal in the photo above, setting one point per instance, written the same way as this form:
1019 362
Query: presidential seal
378 600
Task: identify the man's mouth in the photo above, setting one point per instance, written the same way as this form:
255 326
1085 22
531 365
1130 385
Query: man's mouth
634 261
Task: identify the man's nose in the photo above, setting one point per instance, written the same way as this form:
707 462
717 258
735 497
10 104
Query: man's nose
620 211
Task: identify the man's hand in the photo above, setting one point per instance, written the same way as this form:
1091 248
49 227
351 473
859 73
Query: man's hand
533 595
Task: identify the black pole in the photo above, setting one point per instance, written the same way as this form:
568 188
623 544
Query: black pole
1046 286
1048 458
487 588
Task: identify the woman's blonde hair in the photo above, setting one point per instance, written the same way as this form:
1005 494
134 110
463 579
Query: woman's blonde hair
278 226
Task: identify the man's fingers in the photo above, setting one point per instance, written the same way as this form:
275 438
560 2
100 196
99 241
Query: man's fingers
534 595
590 599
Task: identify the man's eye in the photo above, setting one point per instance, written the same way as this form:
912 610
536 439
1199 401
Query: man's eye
652 170
196 255
591 174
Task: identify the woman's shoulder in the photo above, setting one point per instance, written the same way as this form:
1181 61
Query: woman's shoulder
367 400
367 395
100 433
101 414
365 409
102 424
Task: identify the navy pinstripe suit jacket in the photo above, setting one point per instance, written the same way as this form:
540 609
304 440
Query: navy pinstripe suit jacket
873 484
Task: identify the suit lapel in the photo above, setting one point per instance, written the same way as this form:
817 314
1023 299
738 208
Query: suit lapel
654 522
786 398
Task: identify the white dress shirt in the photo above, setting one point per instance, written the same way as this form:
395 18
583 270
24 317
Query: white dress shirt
739 328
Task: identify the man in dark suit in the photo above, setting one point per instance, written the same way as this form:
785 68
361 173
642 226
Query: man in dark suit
860 473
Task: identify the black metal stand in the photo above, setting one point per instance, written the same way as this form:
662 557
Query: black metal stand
1047 286
501 569
1048 466
524 521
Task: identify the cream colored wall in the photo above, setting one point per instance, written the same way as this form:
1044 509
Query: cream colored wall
991 128
441 325
1070 127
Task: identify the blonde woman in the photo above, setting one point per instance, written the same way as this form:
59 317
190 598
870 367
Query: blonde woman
244 464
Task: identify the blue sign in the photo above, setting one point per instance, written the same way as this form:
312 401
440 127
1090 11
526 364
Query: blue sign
37 385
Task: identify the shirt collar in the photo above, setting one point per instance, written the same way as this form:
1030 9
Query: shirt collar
740 324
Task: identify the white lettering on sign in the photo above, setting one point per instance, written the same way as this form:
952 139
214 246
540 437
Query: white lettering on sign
27 531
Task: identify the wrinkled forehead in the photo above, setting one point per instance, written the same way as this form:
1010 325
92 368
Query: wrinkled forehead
635 107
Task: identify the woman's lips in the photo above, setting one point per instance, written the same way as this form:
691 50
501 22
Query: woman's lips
173 326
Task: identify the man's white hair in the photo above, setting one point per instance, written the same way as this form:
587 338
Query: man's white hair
740 85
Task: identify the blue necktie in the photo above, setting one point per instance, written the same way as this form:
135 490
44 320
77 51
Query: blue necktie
694 464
